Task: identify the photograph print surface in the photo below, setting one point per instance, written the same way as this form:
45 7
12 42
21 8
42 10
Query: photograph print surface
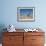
25 14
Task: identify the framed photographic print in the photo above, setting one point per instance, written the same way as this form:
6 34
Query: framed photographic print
25 14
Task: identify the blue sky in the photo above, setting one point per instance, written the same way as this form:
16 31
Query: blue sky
26 11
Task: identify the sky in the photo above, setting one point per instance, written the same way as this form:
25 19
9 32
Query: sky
26 11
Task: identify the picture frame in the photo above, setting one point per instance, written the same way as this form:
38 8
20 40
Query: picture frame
25 14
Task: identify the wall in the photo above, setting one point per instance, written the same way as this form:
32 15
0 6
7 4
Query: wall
9 13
